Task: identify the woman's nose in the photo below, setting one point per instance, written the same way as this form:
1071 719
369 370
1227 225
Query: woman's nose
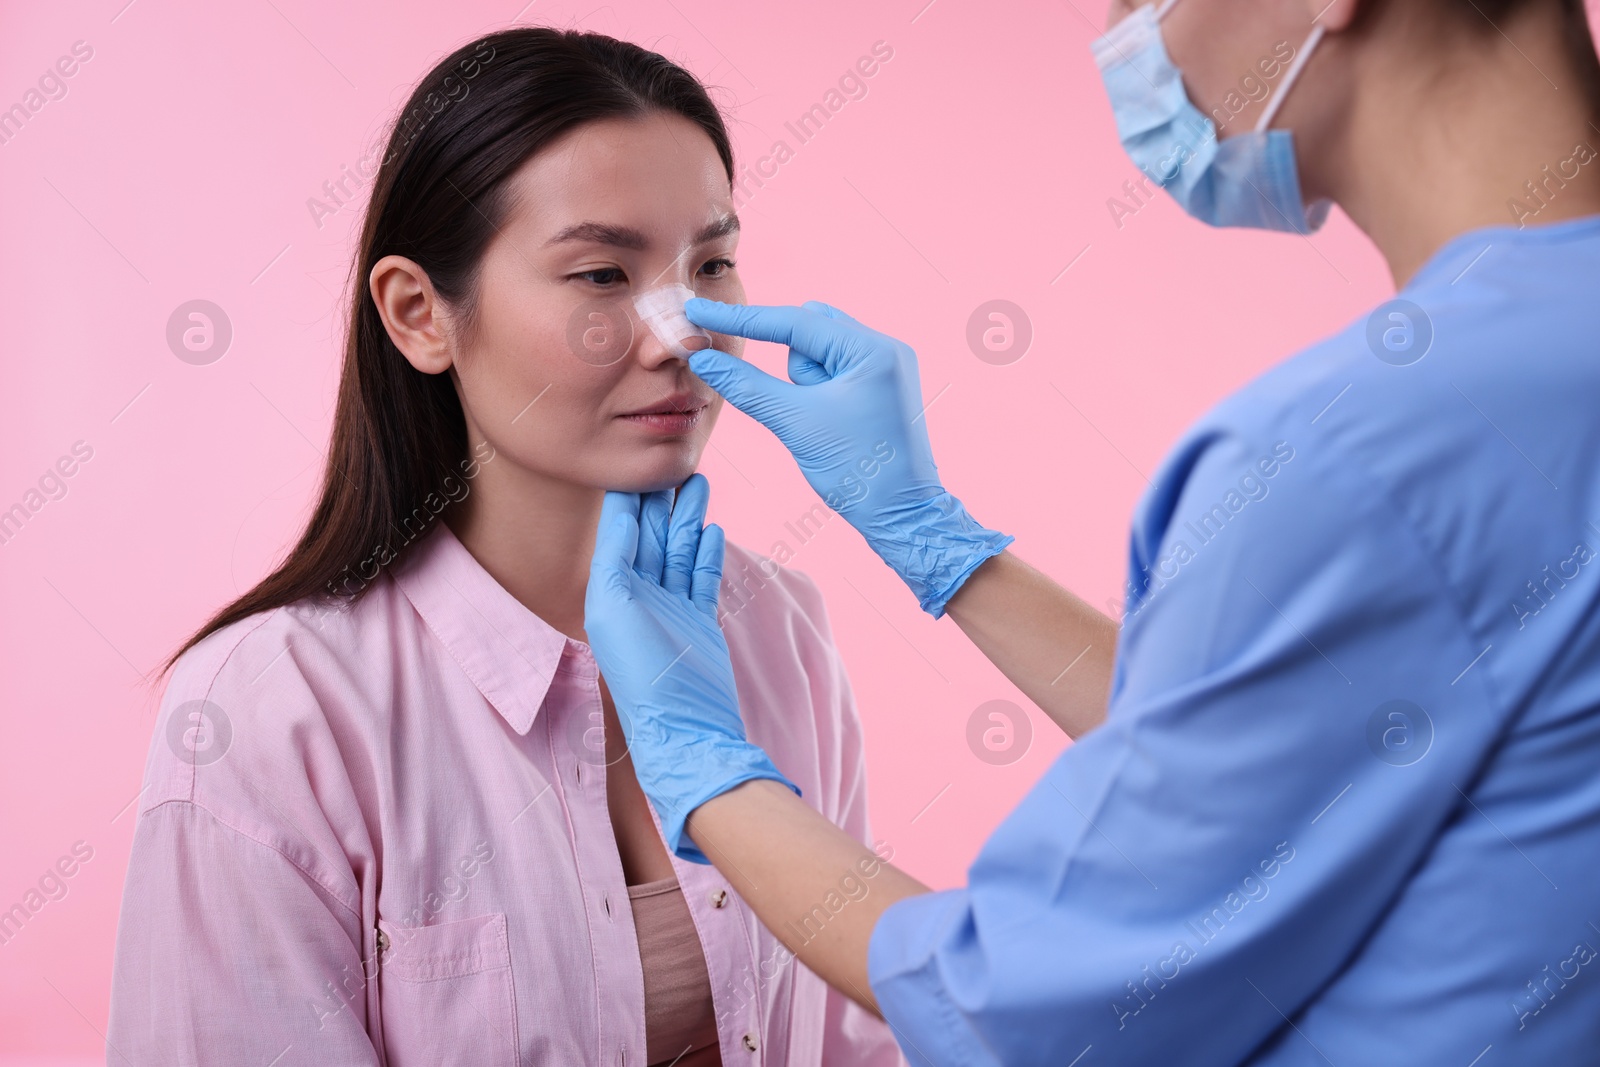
666 332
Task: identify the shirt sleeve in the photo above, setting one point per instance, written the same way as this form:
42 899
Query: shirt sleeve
228 952
1292 720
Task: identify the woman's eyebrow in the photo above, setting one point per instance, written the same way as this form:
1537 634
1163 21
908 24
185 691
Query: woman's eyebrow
606 233
602 233
722 227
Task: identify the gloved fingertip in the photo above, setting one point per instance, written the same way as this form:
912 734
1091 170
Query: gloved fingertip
718 542
706 363
714 310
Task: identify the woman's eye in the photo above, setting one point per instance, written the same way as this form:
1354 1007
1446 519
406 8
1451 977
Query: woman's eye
717 268
603 276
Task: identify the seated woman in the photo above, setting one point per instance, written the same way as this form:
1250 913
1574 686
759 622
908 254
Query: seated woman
389 815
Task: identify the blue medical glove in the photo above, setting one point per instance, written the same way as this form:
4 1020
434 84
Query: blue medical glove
651 618
851 413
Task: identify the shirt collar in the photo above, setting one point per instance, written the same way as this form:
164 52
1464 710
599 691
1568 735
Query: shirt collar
507 651
1465 249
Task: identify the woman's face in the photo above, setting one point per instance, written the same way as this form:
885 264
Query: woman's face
559 374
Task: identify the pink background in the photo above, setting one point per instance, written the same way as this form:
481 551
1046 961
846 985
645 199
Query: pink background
178 166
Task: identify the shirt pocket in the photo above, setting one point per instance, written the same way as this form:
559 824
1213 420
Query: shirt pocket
445 994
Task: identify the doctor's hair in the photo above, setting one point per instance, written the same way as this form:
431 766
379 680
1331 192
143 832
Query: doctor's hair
1491 19
441 193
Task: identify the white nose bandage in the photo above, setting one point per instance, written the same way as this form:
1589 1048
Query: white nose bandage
661 309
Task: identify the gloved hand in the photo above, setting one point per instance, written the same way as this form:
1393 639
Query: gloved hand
853 419
650 615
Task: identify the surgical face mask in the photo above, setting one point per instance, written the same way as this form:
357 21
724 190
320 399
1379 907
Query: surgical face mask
1247 180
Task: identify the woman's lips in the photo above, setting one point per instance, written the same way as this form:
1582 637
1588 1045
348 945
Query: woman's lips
667 423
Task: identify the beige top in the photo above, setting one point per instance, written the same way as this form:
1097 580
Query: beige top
680 1024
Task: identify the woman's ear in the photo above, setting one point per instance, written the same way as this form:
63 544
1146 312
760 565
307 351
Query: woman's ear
412 312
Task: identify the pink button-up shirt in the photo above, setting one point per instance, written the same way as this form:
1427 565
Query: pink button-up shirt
380 835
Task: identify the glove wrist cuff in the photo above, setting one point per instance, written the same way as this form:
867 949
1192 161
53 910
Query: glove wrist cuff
935 546
718 764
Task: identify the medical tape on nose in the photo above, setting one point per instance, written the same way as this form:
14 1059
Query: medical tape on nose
661 309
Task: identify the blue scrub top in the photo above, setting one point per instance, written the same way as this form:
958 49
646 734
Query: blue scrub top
1345 805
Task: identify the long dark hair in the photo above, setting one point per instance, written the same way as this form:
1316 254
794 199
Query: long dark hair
399 448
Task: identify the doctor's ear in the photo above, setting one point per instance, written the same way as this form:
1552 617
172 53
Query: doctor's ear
413 314
1337 16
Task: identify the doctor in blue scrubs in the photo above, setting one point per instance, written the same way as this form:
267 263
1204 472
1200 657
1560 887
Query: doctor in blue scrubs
1335 794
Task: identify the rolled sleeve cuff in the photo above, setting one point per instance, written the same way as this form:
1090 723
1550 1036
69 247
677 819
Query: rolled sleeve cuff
903 967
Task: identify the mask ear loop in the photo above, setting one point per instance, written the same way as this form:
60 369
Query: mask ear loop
1165 6
1290 76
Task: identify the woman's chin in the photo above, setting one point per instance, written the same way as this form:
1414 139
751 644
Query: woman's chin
656 472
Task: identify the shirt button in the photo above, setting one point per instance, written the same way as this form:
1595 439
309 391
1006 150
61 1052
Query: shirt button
719 899
749 1042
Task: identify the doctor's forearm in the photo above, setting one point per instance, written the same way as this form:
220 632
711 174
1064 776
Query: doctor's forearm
1053 646
813 885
